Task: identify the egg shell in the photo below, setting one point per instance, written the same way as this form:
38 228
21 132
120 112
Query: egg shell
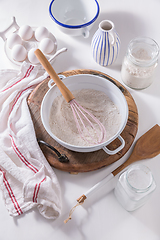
40 33
26 32
13 39
19 53
32 57
46 46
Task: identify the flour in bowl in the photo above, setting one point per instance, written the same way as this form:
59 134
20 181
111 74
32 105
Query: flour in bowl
62 122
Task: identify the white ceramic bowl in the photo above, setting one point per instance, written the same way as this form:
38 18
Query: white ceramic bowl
74 17
87 81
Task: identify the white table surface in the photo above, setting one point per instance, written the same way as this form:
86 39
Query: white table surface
100 217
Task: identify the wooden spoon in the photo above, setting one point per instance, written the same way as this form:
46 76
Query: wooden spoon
147 146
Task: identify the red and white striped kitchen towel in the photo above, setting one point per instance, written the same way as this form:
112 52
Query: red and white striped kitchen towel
26 178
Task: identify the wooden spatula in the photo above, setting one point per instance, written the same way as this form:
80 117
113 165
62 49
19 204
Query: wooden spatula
147 146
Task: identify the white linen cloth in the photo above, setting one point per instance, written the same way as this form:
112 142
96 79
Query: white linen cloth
26 178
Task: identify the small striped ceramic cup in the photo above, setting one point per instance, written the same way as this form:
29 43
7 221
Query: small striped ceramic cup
105 44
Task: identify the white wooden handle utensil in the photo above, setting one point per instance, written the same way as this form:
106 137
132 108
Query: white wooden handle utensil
147 146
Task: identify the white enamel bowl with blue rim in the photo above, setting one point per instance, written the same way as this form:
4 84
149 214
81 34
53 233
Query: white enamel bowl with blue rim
74 17
87 81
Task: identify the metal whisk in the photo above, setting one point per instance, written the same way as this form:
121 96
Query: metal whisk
89 127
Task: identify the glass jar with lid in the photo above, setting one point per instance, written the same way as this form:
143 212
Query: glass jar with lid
134 187
140 62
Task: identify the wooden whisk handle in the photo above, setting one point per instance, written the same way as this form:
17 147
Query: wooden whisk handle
47 66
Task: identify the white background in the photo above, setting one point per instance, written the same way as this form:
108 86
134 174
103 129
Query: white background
100 217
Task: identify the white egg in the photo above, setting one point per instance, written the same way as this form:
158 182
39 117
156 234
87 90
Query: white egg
40 33
26 32
13 39
32 57
19 53
46 46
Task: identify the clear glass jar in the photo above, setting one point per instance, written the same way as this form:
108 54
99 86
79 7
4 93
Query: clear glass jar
134 187
140 62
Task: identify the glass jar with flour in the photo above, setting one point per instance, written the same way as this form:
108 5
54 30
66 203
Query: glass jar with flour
134 187
140 62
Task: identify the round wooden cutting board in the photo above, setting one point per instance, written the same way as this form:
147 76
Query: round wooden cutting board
82 162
